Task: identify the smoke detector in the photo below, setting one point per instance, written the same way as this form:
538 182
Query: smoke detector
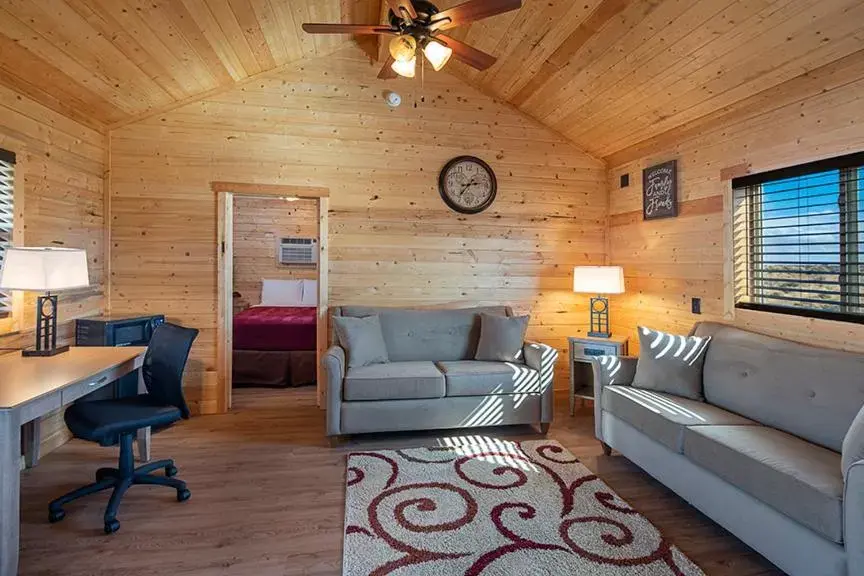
393 99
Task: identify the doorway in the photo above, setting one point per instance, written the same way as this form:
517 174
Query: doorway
230 195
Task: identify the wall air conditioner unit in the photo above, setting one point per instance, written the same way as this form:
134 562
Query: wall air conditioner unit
298 251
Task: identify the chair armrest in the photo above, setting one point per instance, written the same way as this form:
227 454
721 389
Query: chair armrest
334 366
853 518
542 357
609 370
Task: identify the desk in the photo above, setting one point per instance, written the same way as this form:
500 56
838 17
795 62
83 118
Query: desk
31 388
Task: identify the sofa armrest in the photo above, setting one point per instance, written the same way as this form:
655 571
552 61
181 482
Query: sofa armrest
334 366
542 357
853 518
608 370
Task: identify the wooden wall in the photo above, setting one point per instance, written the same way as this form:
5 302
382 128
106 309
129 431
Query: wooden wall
392 240
58 202
667 262
259 223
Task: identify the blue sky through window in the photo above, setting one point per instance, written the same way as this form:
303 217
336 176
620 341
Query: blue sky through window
801 219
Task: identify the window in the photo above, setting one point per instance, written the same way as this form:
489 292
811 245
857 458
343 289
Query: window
7 177
798 235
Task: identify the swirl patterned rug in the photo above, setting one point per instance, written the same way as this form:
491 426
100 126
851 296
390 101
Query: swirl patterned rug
494 508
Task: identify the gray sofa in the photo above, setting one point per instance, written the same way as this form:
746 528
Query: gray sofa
762 455
432 380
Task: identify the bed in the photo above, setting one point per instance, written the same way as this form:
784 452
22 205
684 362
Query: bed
275 342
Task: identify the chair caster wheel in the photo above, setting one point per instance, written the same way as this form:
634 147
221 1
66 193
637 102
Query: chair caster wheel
170 471
111 526
183 495
55 516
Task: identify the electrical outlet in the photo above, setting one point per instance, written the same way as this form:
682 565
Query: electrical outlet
696 305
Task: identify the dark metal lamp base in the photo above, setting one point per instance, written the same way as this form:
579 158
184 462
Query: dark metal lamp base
600 334
52 352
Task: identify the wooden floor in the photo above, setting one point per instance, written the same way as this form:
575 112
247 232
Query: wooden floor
267 498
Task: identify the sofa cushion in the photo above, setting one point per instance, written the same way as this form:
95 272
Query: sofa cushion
475 378
501 338
813 393
427 334
663 417
362 340
797 478
853 443
670 363
393 381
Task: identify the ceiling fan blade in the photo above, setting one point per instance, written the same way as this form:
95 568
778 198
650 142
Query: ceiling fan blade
470 12
400 7
347 29
467 54
387 72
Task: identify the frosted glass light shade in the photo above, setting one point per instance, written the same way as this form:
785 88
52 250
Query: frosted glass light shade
598 279
403 48
407 69
44 269
437 54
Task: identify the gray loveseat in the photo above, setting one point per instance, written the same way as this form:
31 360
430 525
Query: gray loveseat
762 455
432 380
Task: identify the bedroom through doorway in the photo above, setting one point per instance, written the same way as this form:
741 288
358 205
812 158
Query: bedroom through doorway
275 291
272 286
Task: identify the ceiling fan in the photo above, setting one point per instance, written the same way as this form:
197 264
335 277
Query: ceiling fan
419 24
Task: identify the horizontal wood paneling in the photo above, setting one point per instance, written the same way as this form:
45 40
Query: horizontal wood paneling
58 202
259 223
668 262
392 240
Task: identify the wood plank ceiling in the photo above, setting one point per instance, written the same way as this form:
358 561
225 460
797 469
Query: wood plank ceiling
607 74
110 61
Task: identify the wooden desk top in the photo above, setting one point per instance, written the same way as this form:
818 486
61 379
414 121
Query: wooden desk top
25 379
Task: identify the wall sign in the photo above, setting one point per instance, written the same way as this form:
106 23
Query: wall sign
660 191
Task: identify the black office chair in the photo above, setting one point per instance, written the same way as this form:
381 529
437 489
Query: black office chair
106 421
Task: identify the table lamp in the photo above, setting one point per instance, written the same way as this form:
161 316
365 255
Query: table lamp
599 280
45 270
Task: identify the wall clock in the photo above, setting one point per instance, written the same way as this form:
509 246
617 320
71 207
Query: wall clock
467 185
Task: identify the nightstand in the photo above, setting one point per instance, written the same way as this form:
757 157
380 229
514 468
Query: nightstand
582 350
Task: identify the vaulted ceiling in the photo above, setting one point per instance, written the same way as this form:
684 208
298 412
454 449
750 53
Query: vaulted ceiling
607 74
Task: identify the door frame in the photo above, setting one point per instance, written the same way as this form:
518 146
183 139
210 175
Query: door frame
225 192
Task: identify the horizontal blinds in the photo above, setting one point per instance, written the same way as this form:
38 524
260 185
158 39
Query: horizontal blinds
798 238
7 176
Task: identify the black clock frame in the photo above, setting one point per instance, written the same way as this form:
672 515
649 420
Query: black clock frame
447 200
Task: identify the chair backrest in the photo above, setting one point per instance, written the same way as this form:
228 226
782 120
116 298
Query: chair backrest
164 363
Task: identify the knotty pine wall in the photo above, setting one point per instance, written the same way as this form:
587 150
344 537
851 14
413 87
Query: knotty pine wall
58 202
393 242
667 262
259 223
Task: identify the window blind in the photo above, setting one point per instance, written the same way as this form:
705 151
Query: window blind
7 212
798 236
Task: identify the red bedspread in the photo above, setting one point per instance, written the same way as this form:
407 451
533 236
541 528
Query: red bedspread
275 328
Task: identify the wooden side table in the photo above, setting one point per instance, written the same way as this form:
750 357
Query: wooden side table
582 350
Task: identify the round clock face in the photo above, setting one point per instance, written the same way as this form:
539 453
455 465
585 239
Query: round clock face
467 185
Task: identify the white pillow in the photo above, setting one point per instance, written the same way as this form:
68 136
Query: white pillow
282 292
310 293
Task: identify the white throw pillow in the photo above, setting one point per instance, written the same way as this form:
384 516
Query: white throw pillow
310 293
281 292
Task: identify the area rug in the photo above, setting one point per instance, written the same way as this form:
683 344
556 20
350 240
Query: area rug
492 507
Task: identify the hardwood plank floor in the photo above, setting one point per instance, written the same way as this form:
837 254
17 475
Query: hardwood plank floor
267 498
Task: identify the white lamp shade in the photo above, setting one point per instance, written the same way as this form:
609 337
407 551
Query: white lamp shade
406 68
44 269
598 279
437 54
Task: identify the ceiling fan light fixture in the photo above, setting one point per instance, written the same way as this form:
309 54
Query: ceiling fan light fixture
405 68
403 48
437 54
